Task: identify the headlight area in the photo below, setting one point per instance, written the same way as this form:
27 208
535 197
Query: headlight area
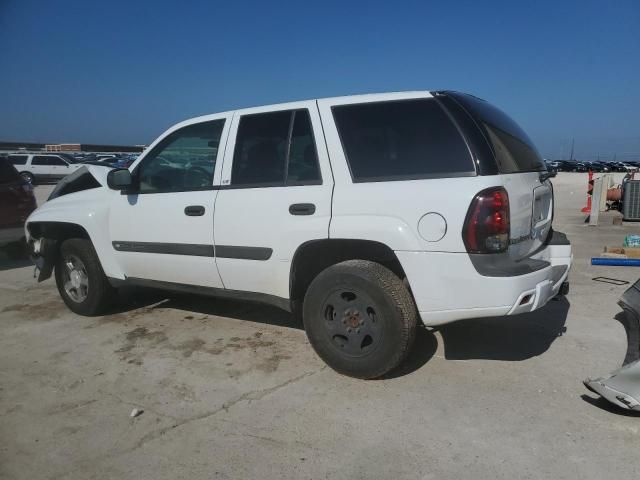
43 250
43 253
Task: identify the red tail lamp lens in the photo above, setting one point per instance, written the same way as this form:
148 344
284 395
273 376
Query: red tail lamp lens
486 228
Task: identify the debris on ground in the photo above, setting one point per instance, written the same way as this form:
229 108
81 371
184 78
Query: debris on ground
631 240
622 386
616 262
612 281
622 252
136 412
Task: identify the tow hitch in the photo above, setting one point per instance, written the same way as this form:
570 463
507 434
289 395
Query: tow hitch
622 386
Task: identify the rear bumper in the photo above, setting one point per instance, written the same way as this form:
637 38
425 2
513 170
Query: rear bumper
447 286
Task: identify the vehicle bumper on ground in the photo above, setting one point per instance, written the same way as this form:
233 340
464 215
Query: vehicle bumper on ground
459 291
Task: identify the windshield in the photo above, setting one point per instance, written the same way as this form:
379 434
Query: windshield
514 150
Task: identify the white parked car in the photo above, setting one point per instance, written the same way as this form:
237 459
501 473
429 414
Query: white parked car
363 213
41 167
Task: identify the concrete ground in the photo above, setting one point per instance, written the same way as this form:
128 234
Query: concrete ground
233 390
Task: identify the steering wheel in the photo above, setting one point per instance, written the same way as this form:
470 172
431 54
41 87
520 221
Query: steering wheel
197 177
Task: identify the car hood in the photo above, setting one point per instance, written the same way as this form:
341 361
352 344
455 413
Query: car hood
84 178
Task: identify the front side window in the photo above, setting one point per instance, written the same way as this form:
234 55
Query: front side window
275 149
184 160
18 159
48 161
401 140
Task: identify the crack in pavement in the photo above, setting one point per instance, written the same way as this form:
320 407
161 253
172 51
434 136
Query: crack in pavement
247 396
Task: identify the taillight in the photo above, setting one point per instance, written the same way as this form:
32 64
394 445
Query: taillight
486 228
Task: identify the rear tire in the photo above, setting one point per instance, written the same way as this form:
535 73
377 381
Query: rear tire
82 284
360 318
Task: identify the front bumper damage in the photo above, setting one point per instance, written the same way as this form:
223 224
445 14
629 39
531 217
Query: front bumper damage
43 253
622 386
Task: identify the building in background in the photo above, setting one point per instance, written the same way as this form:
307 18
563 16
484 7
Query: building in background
63 147
69 147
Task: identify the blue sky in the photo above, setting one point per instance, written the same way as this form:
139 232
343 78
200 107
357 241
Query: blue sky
121 72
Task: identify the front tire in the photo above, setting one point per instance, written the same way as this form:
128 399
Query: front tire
82 284
360 318
28 177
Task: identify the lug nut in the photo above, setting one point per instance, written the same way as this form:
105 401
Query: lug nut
348 330
358 330
344 320
361 322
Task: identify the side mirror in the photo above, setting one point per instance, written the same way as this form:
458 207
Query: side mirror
119 179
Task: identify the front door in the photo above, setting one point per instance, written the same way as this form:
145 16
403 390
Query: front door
163 228
275 195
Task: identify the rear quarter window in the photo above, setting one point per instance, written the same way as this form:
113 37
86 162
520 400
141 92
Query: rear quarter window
513 149
401 140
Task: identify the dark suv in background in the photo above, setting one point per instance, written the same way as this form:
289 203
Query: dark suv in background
16 204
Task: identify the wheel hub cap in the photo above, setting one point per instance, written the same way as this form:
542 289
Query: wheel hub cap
352 318
350 322
76 280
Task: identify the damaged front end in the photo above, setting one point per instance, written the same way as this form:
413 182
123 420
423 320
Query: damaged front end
43 253
81 179
47 227
622 386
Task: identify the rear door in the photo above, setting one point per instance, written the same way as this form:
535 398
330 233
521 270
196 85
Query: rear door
275 195
520 165
60 168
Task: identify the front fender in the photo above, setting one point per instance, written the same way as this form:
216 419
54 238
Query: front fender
88 209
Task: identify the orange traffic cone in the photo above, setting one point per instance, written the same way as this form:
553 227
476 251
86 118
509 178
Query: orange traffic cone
587 209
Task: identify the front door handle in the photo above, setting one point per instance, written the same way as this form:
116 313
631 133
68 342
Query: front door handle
302 209
194 210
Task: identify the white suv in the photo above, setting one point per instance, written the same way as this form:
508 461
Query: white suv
362 213
39 167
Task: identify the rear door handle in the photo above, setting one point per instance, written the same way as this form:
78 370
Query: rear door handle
302 209
194 210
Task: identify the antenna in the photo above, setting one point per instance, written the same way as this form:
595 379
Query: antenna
572 144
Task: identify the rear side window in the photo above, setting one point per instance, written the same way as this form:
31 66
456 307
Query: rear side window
18 159
47 160
7 172
401 140
275 149
514 151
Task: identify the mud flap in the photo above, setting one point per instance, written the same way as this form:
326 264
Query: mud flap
622 387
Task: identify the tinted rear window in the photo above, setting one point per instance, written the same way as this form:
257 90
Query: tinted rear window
514 150
7 172
401 140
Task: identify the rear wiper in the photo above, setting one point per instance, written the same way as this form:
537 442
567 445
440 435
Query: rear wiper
544 176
